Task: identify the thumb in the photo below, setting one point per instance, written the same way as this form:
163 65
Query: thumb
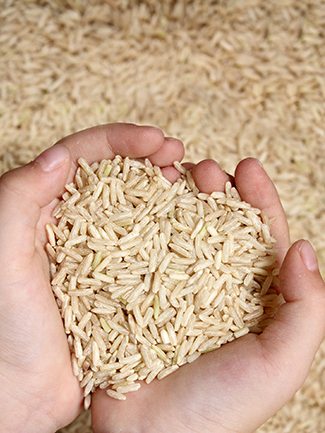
298 328
23 193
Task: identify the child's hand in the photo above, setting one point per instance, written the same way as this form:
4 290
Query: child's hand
38 390
238 387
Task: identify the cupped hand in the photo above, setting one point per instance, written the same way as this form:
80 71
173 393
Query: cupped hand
239 386
39 392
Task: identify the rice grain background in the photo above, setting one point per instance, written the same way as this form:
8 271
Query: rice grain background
230 78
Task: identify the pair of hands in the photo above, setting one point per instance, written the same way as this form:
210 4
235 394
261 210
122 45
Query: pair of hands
233 389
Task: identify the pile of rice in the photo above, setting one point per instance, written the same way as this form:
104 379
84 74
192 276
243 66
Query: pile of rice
150 275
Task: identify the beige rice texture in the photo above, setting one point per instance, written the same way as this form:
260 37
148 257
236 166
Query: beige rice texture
232 79
150 275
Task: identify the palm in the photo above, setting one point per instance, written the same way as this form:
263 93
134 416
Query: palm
233 389
35 366
206 395
33 341
197 397
219 392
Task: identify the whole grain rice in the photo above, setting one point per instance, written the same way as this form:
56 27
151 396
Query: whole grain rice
255 87
147 285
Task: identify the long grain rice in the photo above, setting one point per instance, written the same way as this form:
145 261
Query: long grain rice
274 109
147 285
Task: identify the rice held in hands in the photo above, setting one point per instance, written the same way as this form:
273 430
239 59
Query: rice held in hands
148 275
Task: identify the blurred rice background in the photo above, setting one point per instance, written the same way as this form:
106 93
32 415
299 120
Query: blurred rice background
232 79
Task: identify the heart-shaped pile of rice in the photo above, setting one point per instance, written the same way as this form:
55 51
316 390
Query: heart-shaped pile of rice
150 275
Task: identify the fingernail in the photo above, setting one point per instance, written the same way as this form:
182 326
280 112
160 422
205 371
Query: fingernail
308 256
52 157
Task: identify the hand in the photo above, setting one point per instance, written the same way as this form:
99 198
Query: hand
39 392
241 385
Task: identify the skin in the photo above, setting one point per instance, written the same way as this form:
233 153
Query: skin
241 385
38 389
234 389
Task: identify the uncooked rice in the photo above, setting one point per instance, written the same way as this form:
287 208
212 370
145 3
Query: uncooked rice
149 275
231 79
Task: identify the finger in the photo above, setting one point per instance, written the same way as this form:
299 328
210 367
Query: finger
171 174
209 177
171 150
106 141
23 192
298 328
256 188
188 165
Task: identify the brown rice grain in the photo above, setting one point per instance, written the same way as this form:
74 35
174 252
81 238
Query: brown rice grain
149 275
